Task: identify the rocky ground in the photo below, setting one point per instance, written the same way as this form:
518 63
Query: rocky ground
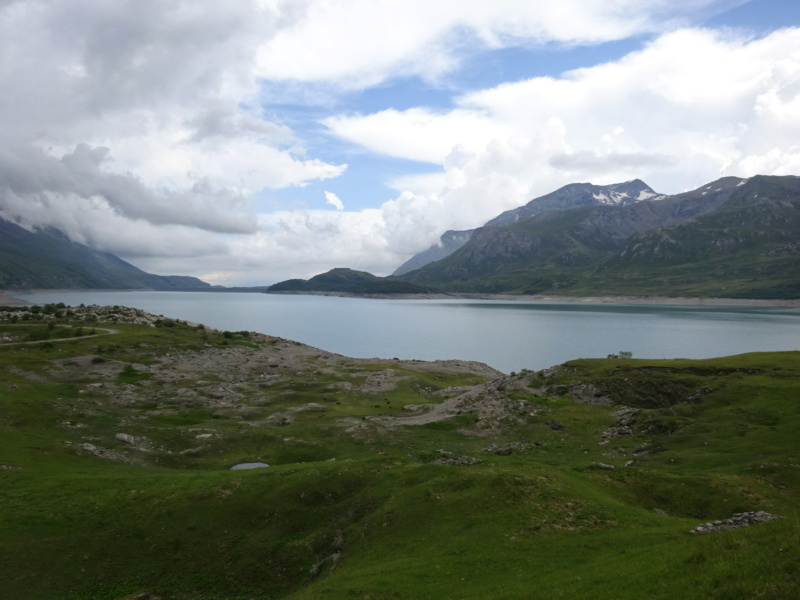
246 378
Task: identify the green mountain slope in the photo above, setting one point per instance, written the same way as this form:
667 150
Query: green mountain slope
388 479
47 259
732 237
348 281
565 198
749 247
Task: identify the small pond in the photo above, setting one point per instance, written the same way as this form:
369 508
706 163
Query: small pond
253 465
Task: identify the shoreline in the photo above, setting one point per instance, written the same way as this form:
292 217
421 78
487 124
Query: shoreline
8 298
556 299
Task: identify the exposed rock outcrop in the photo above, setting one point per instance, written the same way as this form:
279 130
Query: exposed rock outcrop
738 520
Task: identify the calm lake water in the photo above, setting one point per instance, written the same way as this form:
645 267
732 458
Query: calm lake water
508 335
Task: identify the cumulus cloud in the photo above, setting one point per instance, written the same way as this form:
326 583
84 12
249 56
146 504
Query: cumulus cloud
398 133
416 37
39 180
692 105
138 116
138 126
334 200
591 162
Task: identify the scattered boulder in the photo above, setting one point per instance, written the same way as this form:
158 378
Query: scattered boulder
737 520
447 458
623 423
125 438
104 453
506 449
457 460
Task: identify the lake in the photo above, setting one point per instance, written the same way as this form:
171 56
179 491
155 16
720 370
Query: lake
508 335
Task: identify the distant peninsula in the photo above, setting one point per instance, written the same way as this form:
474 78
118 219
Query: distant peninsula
348 281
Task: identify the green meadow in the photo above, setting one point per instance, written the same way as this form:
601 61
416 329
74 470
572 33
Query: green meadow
118 431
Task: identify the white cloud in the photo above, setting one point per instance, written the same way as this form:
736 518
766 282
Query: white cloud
398 133
136 125
692 104
41 180
137 116
334 200
357 43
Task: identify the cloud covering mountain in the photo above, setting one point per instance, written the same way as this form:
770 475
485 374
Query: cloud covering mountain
248 141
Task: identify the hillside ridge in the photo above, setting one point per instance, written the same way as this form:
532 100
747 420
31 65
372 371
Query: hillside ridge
47 259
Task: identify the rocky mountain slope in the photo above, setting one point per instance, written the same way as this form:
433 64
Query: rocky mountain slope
448 243
569 196
580 194
732 237
47 259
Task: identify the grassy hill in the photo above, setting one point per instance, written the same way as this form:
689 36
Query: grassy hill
348 281
387 479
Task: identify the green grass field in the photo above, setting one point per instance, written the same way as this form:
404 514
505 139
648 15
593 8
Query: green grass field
116 447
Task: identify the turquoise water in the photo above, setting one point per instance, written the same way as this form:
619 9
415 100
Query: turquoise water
508 335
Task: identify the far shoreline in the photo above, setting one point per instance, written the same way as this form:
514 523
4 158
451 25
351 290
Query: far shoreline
555 299
8 298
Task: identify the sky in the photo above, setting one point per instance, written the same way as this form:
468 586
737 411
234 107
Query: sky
250 141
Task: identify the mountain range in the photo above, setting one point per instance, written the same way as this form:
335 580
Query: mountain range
569 196
734 237
48 259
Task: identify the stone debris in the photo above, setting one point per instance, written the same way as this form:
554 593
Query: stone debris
103 452
737 520
500 450
381 381
506 449
447 458
623 423
125 438
91 314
